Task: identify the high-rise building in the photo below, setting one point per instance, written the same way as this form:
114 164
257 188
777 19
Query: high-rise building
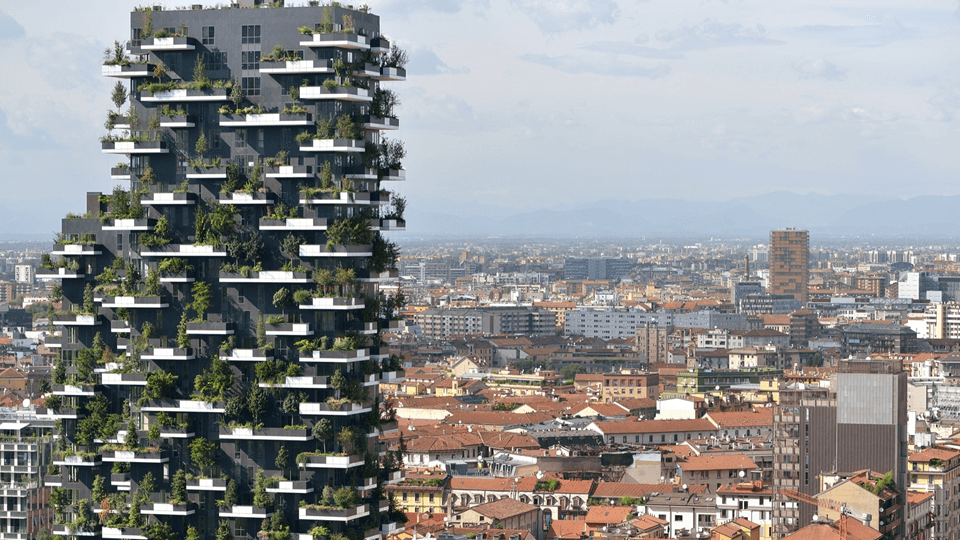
789 254
836 428
220 359
597 268
23 273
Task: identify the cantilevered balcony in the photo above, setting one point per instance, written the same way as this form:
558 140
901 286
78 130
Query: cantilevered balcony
290 171
265 434
58 273
380 123
123 379
207 484
57 414
121 173
248 512
338 40
238 198
67 530
182 277
342 515
289 329
184 406
266 120
209 328
145 224
79 460
337 357
184 250
294 224
122 533
333 462
120 456
178 121
392 175
333 145
341 93
168 199
393 225
132 147
333 304
296 67
168 509
168 353
178 95
248 355
135 302
306 383
127 72
315 250
301 487
361 173
391 74
74 390
72 319
167 44
207 173
380 45
265 276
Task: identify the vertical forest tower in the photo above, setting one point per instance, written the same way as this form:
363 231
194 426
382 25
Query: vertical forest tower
222 309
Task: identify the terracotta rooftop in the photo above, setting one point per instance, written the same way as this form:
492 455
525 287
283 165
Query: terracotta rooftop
608 515
934 452
733 419
706 462
504 508
627 427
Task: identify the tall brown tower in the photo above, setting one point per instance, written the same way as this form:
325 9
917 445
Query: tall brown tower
788 263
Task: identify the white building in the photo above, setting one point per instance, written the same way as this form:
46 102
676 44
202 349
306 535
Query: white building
23 273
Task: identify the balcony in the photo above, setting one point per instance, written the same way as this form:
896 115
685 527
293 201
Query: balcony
53 342
391 528
85 250
389 428
168 199
66 530
73 390
252 512
294 67
366 484
393 225
374 277
57 414
333 145
129 224
343 197
368 70
338 40
361 173
178 121
290 171
334 304
120 173
167 44
184 250
184 277
393 377
392 74
322 409
184 406
75 320
168 509
297 487
132 147
289 329
176 433
339 514
178 95
53 481
58 273
378 123
246 198
124 533
338 357
380 45
307 383
121 481
134 302
209 328
393 326
266 120
123 379
265 276
167 353
314 250
128 71
294 224
334 462
207 173
342 93
393 175
207 484
394 477
265 434
135 457
83 460
368 328
249 355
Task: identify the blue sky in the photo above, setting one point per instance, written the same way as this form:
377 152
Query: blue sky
539 103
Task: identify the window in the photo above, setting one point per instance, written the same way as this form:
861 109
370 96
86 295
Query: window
215 139
240 138
170 29
678 518
207 34
250 33
250 60
136 36
250 86
216 60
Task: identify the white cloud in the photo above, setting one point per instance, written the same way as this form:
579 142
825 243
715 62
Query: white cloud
554 16
711 33
9 28
819 69
577 64
426 62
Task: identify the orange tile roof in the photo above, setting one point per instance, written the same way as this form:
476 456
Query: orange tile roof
608 515
762 417
934 452
504 508
567 529
706 462
655 426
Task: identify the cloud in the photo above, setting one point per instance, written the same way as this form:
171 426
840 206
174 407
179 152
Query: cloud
10 28
407 7
819 69
555 16
574 65
437 111
945 105
632 49
710 33
842 113
426 62
876 34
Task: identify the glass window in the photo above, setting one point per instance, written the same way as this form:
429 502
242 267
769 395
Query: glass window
250 33
250 59
214 139
239 138
207 35
216 60
250 86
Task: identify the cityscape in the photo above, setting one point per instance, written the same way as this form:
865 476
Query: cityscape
234 334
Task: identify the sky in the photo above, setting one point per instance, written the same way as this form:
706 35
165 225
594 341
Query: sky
553 103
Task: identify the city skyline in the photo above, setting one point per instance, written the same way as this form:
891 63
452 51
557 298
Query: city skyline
802 101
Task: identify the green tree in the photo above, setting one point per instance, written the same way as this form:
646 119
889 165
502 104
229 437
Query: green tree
223 531
281 299
257 403
178 489
202 454
99 491
159 531
192 533
260 496
202 299
236 93
322 431
230 496
283 459
338 382
202 146
119 95
153 283
183 339
88 305
160 385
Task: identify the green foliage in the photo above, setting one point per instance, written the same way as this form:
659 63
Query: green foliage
215 381
153 283
254 179
326 21
119 95
230 496
260 496
291 244
202 146
202 299
257 403
160 236
346 129
202 454
159 531
88 305
99 491
236 93
160 385
178 489
232 182
385 254
346 497
192 533
183 339
223 530
322 431
350 231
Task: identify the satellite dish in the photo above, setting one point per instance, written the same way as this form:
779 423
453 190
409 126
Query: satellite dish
539 475
816 518
684 487
742 474
26 403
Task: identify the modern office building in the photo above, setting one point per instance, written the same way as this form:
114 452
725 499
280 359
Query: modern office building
438 323
597 268
220 361
789 274
26 445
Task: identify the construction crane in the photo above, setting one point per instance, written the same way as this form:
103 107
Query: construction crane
827 504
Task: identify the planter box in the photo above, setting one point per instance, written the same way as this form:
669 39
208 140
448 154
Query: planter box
334 462
322 409
209 329
119 326
134 302
207 484
65 530
393 225
60 273
348 514
246 198
134 457
271 276
256 512
75 320
361 173
333 145
380 45
78 461
342 93
290 171
53 481
380 122
248 355
77 249
316 250
130 147
123 379
208 173
186 94
388 428
289 329
301 487
167 44
294 224
129 224
392 175
158 199
73 390
266 120
185 277
338 357
292 67
300 382
334 304
265 434
178 121
168 509
392 74
338 40
120 173
176 433
392 377
184 250
127 72
166 353
125 533
184 406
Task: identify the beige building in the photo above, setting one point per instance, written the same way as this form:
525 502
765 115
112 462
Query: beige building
503 513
